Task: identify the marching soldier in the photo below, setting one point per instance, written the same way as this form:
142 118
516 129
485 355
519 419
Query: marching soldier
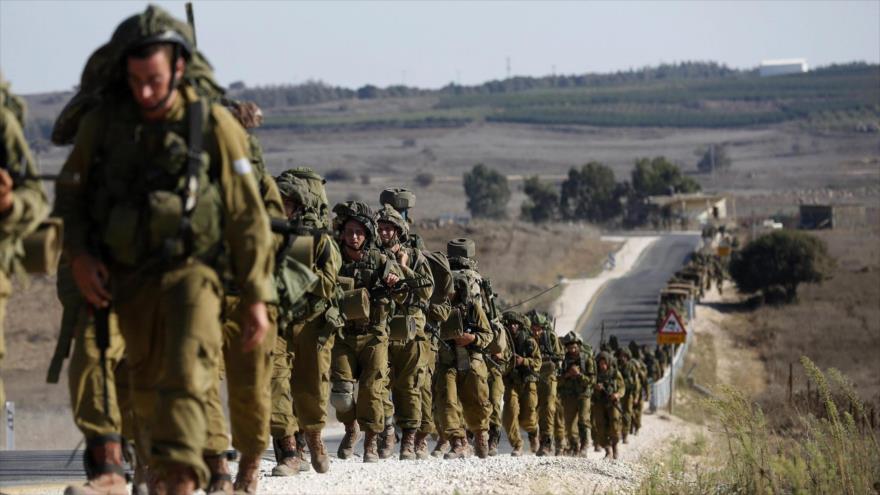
551 356
577 377
520 384
605 404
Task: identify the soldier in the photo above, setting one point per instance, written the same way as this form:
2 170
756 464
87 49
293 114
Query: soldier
520 384
605 404
631 379
165 180
576 380
360 355
23 202
247 374
301 371
407 339
551 357
644 390
462 377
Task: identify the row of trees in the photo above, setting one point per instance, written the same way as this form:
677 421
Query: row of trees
590 193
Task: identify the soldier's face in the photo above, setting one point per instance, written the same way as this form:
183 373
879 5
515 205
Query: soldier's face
354 235
150 79
537 329
572 349
387 233
291 208
603 365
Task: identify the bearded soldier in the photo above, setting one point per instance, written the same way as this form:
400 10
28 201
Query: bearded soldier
361 354
165 184
606 411
551 356
407 339
520 384
301 372
462 377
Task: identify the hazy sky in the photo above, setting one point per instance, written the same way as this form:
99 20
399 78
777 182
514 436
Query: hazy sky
44 44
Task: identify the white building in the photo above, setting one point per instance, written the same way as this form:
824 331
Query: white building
783 66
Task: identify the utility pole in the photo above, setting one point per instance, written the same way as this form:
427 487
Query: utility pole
508 67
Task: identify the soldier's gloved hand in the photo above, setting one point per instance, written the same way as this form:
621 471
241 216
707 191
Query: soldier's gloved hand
91 276
6 194
465 339
391 279
519 360
255 325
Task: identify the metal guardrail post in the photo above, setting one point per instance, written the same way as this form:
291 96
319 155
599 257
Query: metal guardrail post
10 425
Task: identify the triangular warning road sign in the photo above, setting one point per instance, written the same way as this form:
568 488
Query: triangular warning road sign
672 324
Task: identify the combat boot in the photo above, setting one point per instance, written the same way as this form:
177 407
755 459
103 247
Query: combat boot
559 449
443 446
533 443
517 451
103 462
585 440
408 445
494 438
178 479
286 456
248 474
387 440
481 444
614 450
546 447
346 446
421 446
371 446
458 450
608 452
624 437
221 480
301 451
320 460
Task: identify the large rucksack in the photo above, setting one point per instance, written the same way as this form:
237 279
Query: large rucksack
441 274
104 75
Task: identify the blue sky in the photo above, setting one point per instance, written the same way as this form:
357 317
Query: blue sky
44 44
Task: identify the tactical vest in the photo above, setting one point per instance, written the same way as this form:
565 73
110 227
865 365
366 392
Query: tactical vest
573 387
139 189
608 380
366 275
524 345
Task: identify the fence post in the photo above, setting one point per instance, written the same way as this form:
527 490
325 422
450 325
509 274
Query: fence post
10 425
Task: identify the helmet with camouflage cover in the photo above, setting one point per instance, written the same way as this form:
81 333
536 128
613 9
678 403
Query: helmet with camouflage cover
248 113
357 211
607 357
398 198
509 317
154 25
389 215
306 187
624 352
571 338
539 318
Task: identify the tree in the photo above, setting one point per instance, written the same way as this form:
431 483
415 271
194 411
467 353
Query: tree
590 194
542 204
487 192
714 158
779 262
659 176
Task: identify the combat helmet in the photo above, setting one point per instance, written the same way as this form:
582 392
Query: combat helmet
522 320
571 338
539 318
154 25
607 357
306 187
389 215
398 198
357 211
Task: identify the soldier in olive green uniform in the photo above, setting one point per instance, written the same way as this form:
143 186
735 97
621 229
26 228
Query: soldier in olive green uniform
551 356
361 354
407 340
605 404
247 374
165 183
632 389
496 398
520 384
301 373
578 375
22 200
644 390
462 377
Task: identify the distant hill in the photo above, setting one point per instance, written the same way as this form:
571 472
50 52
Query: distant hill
689 94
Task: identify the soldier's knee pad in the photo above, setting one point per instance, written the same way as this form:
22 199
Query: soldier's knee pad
342 396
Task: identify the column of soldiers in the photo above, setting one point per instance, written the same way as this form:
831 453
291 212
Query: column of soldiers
185 264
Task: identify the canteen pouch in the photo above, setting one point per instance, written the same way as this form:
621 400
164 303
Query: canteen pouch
121 232
462 359
345 283
166 213
402 327
42 248
355 305
453 326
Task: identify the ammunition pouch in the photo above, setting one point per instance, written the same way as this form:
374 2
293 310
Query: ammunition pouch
355 305
42 248
345 283
121 233
453 326
165 215
402 328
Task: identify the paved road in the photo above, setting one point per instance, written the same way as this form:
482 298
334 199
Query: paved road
628 305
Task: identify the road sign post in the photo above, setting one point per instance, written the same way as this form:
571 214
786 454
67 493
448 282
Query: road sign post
672 331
